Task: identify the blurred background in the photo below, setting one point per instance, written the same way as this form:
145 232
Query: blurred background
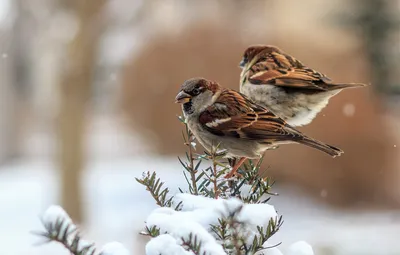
87 93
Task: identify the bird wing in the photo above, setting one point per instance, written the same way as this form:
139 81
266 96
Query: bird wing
234 115
282 70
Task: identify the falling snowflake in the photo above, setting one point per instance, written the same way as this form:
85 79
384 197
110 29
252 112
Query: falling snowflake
113 77
4 55
349 110
324 193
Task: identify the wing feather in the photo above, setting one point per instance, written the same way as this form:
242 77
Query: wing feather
283 70
242 118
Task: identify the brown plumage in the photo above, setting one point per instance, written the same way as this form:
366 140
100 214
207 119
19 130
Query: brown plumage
226 117
283 84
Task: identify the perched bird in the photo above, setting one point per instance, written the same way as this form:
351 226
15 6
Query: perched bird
244 129
291 90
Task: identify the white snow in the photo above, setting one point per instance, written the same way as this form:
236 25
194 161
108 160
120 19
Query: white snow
297 248
257 215
269 250
56 213
113 211
207 211
300 248
180 224
198 213
83 244
114 248
165 245
115 206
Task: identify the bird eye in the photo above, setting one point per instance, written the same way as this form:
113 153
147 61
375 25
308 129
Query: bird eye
196 91
243 62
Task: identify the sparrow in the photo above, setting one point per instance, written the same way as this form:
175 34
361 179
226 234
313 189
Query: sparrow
291 90
242 128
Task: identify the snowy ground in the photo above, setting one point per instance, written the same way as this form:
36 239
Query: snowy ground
116 206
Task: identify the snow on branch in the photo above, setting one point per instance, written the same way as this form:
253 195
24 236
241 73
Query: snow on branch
60 228
213 215
217 224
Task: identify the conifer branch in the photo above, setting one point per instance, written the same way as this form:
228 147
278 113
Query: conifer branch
189 138
192 244
66 233
154 186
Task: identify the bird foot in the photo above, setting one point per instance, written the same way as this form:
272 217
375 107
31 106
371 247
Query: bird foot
232 175
234 170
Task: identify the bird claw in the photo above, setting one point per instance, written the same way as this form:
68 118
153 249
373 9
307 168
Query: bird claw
232 174
231 177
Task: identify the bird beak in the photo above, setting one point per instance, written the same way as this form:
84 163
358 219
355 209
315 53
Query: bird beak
242 63
182 97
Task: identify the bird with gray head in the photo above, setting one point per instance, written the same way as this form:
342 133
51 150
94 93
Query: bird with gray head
291 90
217 115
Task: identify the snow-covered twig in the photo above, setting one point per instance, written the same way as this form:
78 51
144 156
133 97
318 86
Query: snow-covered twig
218 225
60 228
114 248
216 216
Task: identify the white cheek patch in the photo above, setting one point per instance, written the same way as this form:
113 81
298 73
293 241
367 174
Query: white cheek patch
216 122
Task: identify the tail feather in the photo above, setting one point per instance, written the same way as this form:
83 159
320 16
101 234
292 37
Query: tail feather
329 149
347 85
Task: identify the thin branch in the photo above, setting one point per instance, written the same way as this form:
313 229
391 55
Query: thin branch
154 185
64 232
191 160
214 179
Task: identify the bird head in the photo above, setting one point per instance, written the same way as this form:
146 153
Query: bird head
254 53
196 94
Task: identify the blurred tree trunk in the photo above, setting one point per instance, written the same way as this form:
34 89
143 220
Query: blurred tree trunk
8 116
75 95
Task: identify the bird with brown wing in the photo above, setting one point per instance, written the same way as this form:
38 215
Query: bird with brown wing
291 90
217 115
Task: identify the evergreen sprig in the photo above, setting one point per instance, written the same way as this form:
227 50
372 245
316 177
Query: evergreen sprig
260 187
265 234
155 186
213 184
191 166
233 234
209 182
153 231
191 243
63 231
